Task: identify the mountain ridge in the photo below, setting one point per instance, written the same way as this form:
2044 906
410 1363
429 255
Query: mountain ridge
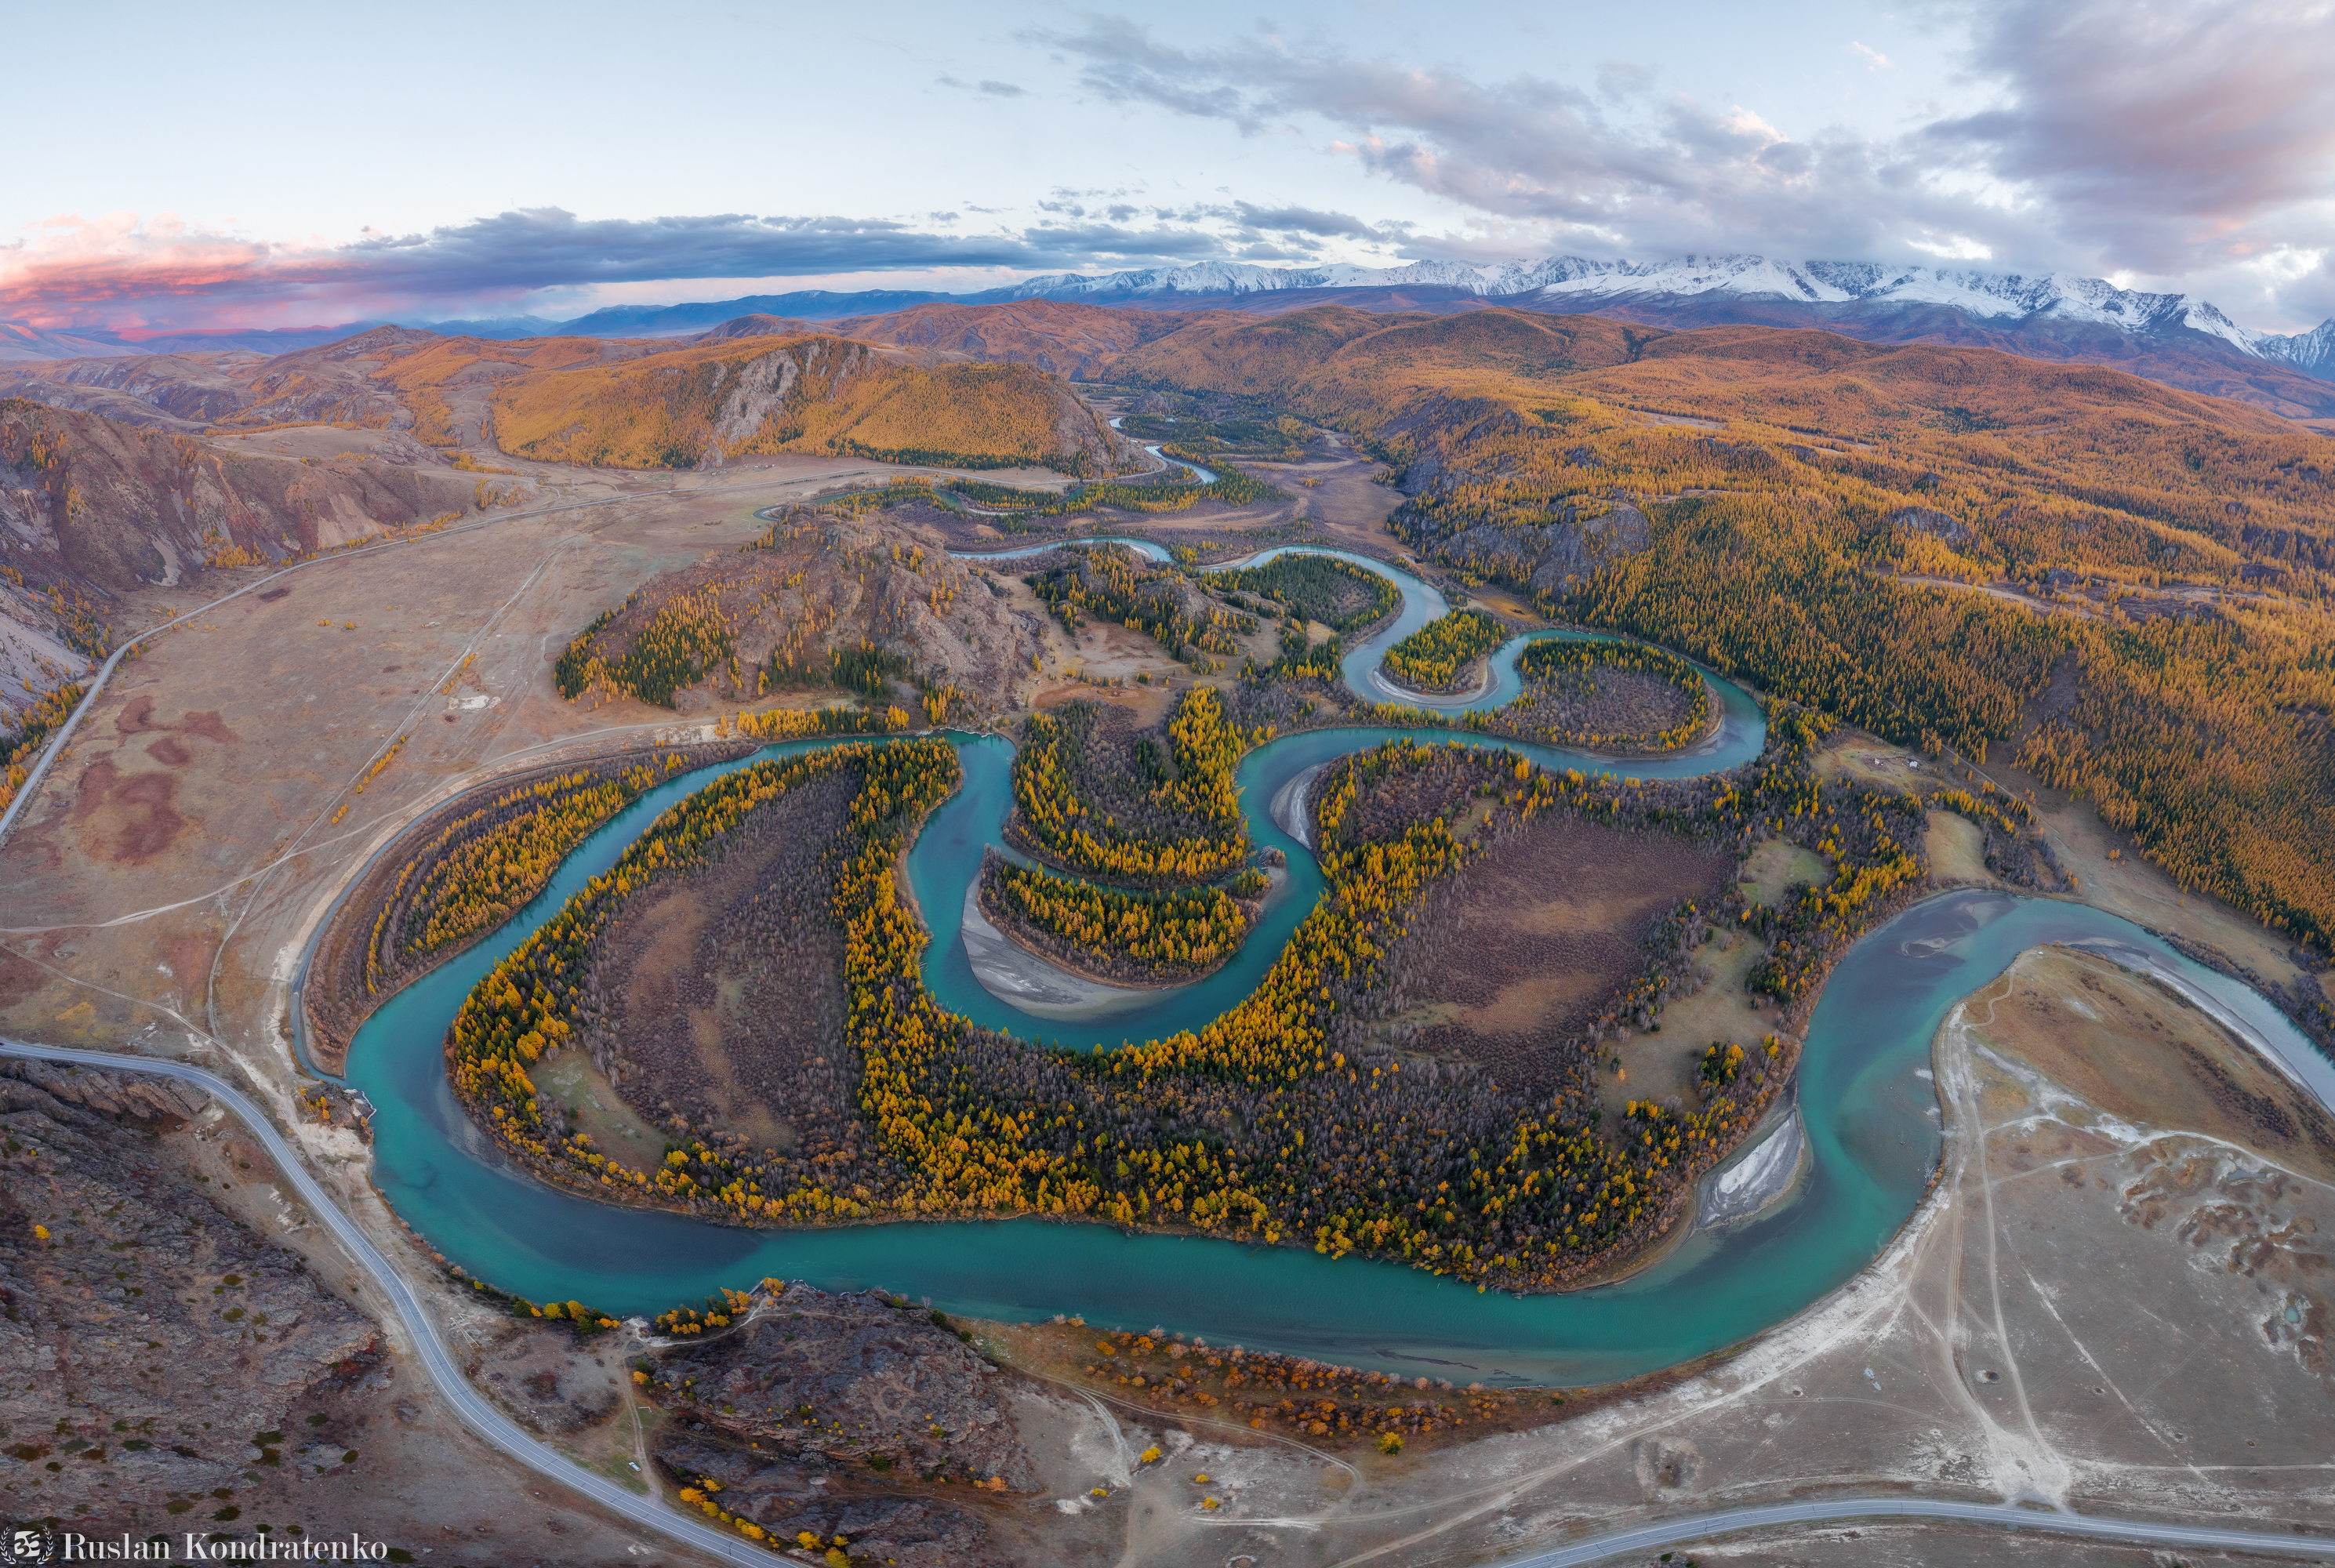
1579 281
2178 339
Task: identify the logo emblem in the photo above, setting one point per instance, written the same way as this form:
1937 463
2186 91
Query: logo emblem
27 1546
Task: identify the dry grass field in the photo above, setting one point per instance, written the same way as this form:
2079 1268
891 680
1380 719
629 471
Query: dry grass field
726 987
1544 931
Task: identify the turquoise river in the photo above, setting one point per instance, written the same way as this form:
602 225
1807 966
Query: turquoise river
1869 1112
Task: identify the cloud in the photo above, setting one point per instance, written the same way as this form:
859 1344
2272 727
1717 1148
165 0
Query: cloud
1606 170
2180 142
2168 136
1874 59
119 271
2165 137
1305 220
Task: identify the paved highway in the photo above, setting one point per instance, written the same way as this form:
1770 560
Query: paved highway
483 1417
1685 1530
1659 1536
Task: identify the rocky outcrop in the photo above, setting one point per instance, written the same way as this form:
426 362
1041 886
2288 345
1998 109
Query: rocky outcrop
152 1344
865 1382
828 582
1928 520
1459 448
788 1502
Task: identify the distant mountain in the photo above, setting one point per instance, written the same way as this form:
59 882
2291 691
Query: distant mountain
18 341
2312 352
502 328
2176 339
1578 284
815 304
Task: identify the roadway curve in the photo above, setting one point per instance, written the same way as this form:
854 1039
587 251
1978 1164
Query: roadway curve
506 1434
490 1424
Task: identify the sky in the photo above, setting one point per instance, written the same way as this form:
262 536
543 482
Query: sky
271 165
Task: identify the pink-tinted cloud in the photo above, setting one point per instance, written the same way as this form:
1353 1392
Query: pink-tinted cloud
118 272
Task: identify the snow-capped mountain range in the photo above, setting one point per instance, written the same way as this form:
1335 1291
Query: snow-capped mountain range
2176 338
1572 282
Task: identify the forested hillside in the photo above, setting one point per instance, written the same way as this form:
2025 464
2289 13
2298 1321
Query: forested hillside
1827 518
811 394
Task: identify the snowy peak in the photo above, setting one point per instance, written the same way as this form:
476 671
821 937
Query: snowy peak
2312 352
1573 282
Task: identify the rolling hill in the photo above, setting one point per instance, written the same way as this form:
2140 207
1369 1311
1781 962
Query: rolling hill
744 396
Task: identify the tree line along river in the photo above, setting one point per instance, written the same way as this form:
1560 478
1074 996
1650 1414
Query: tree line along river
1867 1105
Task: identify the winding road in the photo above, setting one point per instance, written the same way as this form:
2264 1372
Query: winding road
502 1433
490 1424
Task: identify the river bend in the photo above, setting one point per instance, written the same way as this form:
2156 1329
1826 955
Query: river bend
1869 1118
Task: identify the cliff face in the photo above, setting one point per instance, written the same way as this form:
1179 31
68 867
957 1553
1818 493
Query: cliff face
733 397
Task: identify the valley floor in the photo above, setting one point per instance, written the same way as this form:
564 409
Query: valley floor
2105 1307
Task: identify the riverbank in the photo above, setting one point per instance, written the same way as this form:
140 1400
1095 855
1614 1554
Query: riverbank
1075 961
346 982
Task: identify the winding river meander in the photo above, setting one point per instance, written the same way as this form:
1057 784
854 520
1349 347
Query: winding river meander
1871 1122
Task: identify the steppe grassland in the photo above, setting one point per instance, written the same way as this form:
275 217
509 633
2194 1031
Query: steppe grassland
234 722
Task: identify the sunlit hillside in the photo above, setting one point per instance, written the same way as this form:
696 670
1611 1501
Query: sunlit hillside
422 375
1060 339
814 394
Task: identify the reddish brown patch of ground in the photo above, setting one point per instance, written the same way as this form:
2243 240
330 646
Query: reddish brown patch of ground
138 715
1541 932
169 753
127 818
